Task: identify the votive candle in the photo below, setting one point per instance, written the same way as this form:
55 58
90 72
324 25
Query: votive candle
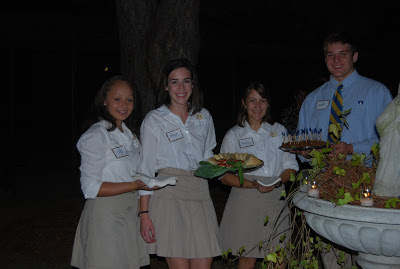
366 198
313 190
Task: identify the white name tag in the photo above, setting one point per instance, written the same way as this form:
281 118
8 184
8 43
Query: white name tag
120 152
246 142
174 135
322 104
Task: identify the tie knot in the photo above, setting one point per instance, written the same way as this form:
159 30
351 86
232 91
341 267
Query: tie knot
339 87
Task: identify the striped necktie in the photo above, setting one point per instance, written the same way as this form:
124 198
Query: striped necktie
336 110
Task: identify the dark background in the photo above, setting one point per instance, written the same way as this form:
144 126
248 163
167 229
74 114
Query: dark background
54 57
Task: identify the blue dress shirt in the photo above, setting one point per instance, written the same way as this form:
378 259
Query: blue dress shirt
365 97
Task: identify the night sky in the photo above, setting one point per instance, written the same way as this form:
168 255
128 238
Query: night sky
275 42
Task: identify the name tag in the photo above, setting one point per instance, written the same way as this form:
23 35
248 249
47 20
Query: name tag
120 152
246 142
174 135
322 104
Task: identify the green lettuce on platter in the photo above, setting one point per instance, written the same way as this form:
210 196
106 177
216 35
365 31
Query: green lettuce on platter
208 170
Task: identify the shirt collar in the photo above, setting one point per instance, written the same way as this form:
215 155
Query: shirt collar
347 82
264 127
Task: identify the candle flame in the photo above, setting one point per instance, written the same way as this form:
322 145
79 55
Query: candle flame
367 193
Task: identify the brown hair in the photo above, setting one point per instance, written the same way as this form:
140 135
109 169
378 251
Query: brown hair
264 93
196 99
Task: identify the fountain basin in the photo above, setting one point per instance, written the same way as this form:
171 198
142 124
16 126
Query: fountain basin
373 232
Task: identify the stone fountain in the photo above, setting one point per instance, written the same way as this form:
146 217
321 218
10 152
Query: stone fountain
373 232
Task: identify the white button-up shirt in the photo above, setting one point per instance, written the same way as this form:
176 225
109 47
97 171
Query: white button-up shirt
168 142
264 144
107 157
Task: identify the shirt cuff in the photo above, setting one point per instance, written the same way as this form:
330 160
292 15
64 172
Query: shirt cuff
143 192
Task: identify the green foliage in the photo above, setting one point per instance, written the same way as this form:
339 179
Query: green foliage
241 250
266 220
375 149
341 257
365 179
391 203
208 170
272 257
346 199
292 177
358 159
339 171
336 129
318 159
283 194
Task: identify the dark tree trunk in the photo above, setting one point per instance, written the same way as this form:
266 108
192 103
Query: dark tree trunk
152 32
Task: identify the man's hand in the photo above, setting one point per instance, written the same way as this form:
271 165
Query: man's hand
341 148
304 153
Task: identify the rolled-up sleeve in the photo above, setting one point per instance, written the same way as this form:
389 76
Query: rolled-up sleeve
148 136
92 147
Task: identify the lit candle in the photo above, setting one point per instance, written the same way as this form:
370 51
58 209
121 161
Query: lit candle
313 191
366 198
304 184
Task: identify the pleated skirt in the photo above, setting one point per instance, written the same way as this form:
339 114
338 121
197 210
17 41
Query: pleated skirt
243 220
108 234
184 218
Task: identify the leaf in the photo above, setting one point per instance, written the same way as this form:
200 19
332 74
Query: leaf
208 170
266 220
347 199
272 257
375 148
333 128
225 253
347 112
326 150
293 177
241 178
366 178
339 171
391 203
341 257
242 249
282 238
283 194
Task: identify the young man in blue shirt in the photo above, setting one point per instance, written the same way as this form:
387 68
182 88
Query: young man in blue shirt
365 97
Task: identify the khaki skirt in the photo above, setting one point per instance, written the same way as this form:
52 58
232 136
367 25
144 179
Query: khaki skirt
242 222
184 218
108 234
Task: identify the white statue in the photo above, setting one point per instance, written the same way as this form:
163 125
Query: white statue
387 180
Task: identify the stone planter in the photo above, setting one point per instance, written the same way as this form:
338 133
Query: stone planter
373 232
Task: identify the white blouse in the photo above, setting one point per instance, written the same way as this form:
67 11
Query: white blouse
107 157
167 142
264 144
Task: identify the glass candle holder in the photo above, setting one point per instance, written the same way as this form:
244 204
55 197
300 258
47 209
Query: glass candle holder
313 190
304 184
366 197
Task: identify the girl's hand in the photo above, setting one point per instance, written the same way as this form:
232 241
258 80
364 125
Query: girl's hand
264 189
139 185
147 228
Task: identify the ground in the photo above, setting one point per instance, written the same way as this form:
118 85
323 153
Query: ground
44 239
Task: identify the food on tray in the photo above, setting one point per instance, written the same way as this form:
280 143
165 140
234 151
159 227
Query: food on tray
228 162
304 144
302 139
230 159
